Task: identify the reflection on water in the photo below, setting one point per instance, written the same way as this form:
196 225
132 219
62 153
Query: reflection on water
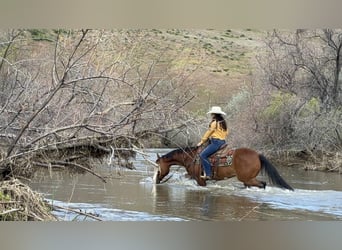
131 195
201 205
103 213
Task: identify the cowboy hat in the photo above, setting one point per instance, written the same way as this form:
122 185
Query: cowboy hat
216 110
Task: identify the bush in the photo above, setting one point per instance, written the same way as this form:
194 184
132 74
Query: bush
278 103
41 35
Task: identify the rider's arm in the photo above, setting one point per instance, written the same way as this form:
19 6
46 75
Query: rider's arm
208 133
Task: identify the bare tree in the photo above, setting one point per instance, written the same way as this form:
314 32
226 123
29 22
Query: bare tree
304 66
78 95
306 63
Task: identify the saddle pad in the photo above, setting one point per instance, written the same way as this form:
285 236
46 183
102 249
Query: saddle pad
222 158
223 151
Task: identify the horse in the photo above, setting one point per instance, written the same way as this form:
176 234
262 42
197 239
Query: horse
245 165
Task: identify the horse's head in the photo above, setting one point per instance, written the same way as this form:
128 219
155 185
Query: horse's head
162 170
183 157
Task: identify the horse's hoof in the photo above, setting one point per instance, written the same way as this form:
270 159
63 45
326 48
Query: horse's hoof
201 182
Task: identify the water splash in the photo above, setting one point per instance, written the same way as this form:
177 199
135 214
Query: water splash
320 201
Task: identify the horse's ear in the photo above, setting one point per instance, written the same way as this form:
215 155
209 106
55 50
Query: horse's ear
158 156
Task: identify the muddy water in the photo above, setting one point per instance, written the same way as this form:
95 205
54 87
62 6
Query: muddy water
130 195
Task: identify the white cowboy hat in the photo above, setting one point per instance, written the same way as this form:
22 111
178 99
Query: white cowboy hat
216 110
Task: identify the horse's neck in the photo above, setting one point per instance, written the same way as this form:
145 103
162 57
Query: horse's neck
177 162
182 161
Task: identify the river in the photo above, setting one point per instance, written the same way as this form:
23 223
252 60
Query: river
130 195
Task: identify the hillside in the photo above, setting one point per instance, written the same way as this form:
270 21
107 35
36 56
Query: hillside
217 62
220 61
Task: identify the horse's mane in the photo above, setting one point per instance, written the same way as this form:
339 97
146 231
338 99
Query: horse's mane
178 151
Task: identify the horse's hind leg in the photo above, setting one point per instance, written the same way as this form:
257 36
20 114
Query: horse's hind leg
255 182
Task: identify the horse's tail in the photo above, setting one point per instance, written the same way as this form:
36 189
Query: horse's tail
273 174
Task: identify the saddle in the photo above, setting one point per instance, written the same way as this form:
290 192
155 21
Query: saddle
223 157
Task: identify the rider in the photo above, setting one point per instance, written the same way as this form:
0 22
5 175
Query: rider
216 134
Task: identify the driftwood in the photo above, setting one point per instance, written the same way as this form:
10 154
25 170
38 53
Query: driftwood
78 212
75 155
9 211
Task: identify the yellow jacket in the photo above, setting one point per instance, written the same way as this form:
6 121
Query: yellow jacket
214 131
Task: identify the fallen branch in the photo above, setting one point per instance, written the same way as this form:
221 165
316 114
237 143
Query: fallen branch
77 212
10 211
87 141
78 166
46 165
9 202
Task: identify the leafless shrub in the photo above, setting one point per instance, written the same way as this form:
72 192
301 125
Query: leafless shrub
72 91
301 72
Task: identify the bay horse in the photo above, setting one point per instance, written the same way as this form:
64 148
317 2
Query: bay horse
246 165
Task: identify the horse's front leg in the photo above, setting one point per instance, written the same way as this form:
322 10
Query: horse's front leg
194 171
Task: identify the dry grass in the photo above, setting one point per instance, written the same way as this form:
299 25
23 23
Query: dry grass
311 161
331 162
19 203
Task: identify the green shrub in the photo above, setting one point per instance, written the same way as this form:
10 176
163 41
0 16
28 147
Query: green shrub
207 46
4 197
42 34
311 107
278 103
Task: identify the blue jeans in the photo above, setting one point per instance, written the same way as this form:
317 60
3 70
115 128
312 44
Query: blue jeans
214 145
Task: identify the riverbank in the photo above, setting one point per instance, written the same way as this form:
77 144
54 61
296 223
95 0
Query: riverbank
318 161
